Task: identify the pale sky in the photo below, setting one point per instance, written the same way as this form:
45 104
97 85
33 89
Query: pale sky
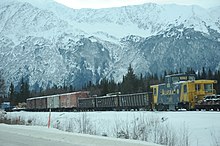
77 4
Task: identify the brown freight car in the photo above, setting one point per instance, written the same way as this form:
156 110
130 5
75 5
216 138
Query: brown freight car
31 103
70 100
41 103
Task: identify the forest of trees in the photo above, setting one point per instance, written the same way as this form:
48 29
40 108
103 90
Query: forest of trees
131 83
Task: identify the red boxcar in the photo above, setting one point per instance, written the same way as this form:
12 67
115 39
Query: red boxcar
70 100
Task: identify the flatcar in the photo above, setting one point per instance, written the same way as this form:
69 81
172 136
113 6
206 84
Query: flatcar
210 102
181 91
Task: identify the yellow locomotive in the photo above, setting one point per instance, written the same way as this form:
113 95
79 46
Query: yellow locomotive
181 91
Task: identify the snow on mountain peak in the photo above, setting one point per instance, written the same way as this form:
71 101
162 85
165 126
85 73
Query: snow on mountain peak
141 20
52 43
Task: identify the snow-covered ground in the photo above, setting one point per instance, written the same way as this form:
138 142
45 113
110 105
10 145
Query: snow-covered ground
35 136
196 128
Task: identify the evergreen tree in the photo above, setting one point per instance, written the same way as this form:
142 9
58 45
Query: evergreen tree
12 94
130 82
105 86
141 84
71 88
188 70
203 75
112 87
180 70
24 91
2 85
210 75
198 76
65 88
11 90
217 77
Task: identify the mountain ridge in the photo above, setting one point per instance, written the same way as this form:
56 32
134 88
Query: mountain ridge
49 48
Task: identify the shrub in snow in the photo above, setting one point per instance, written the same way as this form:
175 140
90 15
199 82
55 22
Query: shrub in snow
85 125
123 134
2 116
81 124
151 129
139 127
29 122
215 140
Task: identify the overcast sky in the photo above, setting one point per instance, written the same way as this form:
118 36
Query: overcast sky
77 4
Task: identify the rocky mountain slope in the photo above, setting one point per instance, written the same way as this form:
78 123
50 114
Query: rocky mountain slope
48 43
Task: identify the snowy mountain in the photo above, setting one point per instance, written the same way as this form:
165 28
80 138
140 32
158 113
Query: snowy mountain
48 43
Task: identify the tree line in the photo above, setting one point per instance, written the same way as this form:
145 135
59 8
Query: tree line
131 83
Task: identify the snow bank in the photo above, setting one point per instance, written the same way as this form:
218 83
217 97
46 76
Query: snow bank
201 128
72 138
2 113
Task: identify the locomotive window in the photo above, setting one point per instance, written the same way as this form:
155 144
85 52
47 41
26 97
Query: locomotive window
208 87
183 78
191 78
175 79
185 89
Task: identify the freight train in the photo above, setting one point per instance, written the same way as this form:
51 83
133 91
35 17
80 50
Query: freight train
81 101
180 91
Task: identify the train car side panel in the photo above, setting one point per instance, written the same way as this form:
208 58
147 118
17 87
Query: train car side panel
41 103
53 101
63 101
107 102
56 100
86 103
134 101
50 102
72 101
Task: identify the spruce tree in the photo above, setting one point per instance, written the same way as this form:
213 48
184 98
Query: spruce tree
12 94
11 90
210 75
2 85
105 86
24 91
203 75
130 81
